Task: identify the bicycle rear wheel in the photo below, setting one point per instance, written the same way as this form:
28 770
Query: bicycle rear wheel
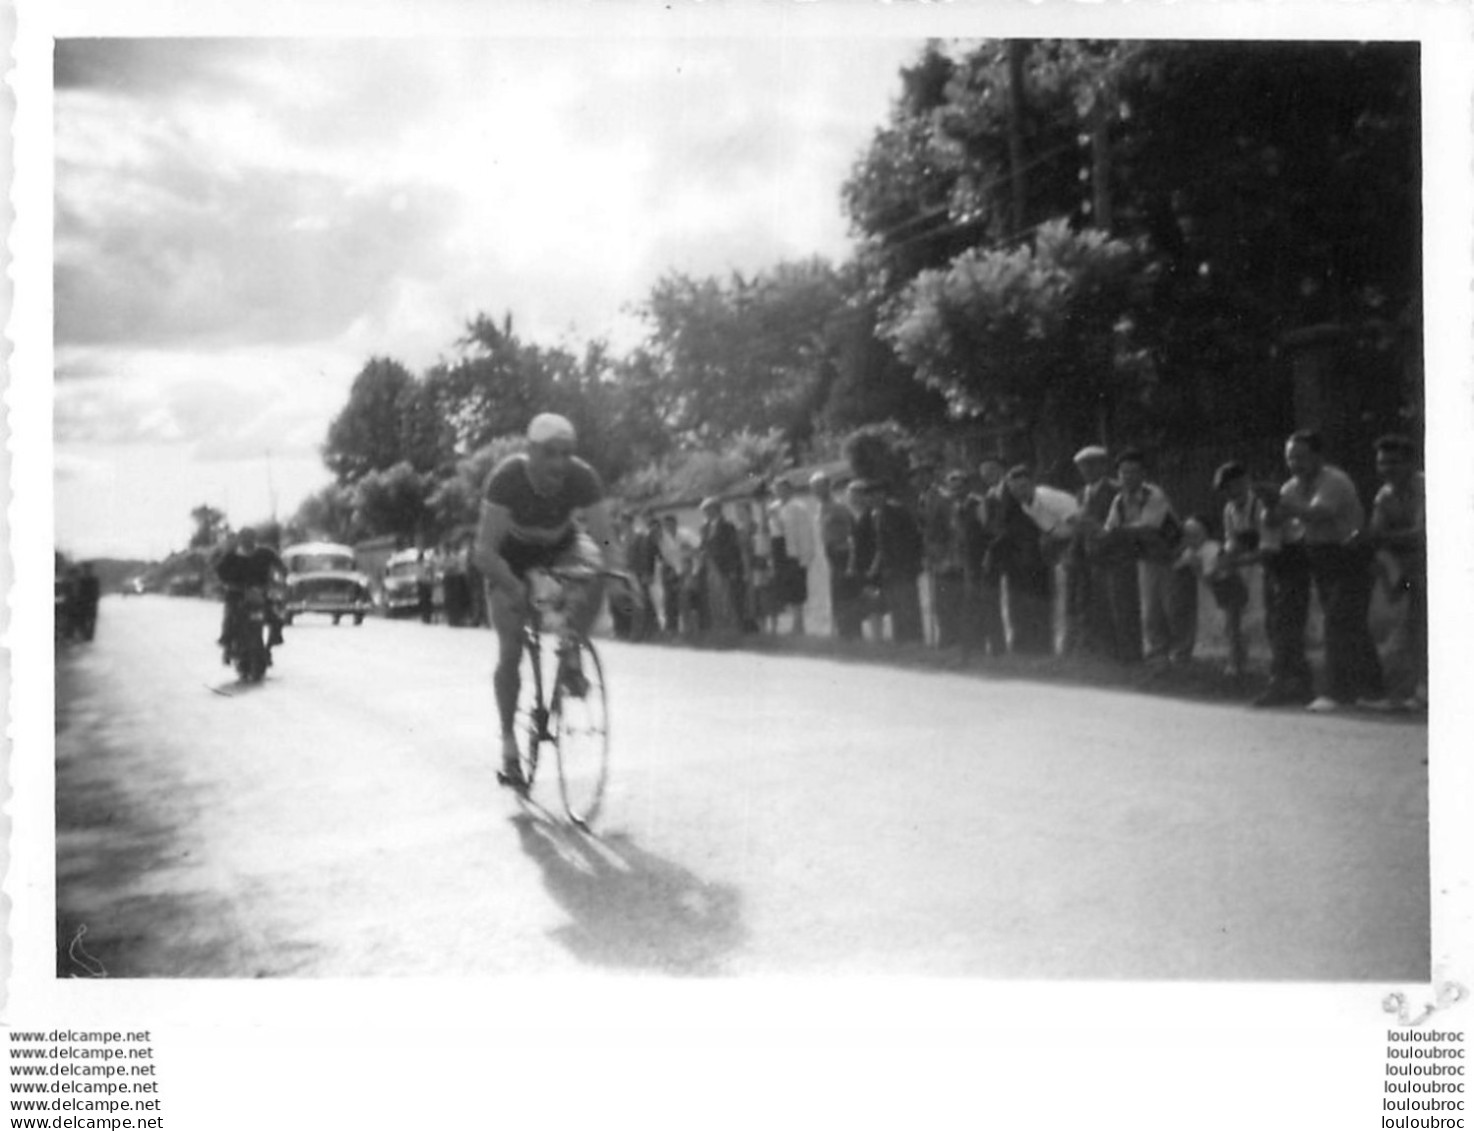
580 726
536 671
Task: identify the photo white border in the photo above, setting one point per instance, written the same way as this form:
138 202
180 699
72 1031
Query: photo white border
439 1052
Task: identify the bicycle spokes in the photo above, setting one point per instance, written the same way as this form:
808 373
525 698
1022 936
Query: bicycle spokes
580 724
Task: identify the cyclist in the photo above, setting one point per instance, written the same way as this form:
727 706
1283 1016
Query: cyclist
541 508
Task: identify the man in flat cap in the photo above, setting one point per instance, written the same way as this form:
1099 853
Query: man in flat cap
542 508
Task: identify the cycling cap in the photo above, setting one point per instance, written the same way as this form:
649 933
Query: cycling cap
547 426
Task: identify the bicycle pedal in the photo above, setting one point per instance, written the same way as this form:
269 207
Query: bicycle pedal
511 781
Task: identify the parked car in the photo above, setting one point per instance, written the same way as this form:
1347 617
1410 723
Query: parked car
403 573
186 585
323 577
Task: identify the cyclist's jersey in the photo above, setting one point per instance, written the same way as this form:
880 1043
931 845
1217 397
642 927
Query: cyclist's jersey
542 527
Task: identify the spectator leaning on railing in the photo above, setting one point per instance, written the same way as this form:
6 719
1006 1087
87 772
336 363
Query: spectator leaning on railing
644 559
1321 511
677 546
1202 559
836 523
946 554
1250 541
888 560
1104 596
1030 522
980 519
1142 514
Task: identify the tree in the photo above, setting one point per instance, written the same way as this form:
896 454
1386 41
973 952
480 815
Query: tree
367 435
983 145
1026 335
870 383
749 354
210 526
393 501
1272 186
1279 184
426 441
325 515
880 453
456 499
703 470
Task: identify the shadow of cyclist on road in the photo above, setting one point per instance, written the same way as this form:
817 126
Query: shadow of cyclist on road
630 908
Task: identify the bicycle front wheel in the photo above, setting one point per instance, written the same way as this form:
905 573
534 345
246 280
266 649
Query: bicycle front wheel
580 726
532 728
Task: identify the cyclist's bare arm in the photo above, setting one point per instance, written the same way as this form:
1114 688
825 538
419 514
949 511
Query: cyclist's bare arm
496 521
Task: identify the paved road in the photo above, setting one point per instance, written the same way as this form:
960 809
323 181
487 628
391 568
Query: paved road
767 815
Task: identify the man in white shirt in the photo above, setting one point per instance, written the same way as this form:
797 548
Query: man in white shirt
1054 511
1323 511
1035 524
793 552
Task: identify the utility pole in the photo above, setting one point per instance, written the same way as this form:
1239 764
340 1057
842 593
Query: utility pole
1100 147
1101 215
1016 49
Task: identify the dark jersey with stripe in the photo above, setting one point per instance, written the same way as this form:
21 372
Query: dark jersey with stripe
541 525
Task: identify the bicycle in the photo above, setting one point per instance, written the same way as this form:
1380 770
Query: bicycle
563 698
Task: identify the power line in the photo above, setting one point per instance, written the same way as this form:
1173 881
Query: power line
944 210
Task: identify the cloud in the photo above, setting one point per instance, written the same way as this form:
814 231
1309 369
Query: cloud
273 257
242 223
219 406
141 68
69 467
219 191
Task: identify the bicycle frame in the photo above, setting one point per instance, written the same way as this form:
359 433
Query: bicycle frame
566 712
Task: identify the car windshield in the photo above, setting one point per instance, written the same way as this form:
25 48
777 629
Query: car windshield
404 569
318 563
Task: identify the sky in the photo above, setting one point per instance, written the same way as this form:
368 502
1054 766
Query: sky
241 224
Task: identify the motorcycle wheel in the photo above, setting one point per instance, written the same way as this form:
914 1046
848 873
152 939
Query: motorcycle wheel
250 662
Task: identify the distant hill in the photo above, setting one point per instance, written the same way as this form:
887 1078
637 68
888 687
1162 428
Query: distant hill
112 572
186 571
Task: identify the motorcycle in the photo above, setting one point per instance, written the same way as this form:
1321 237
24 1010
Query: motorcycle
248 644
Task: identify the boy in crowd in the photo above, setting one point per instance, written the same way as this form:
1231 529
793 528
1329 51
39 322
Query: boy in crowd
1204 559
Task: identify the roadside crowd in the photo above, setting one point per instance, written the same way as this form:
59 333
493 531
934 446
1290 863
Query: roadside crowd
992 549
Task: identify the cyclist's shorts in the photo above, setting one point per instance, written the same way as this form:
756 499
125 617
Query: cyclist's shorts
578 551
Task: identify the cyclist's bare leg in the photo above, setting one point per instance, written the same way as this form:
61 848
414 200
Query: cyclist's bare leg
507 618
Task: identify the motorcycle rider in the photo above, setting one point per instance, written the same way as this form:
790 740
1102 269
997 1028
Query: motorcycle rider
248 564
